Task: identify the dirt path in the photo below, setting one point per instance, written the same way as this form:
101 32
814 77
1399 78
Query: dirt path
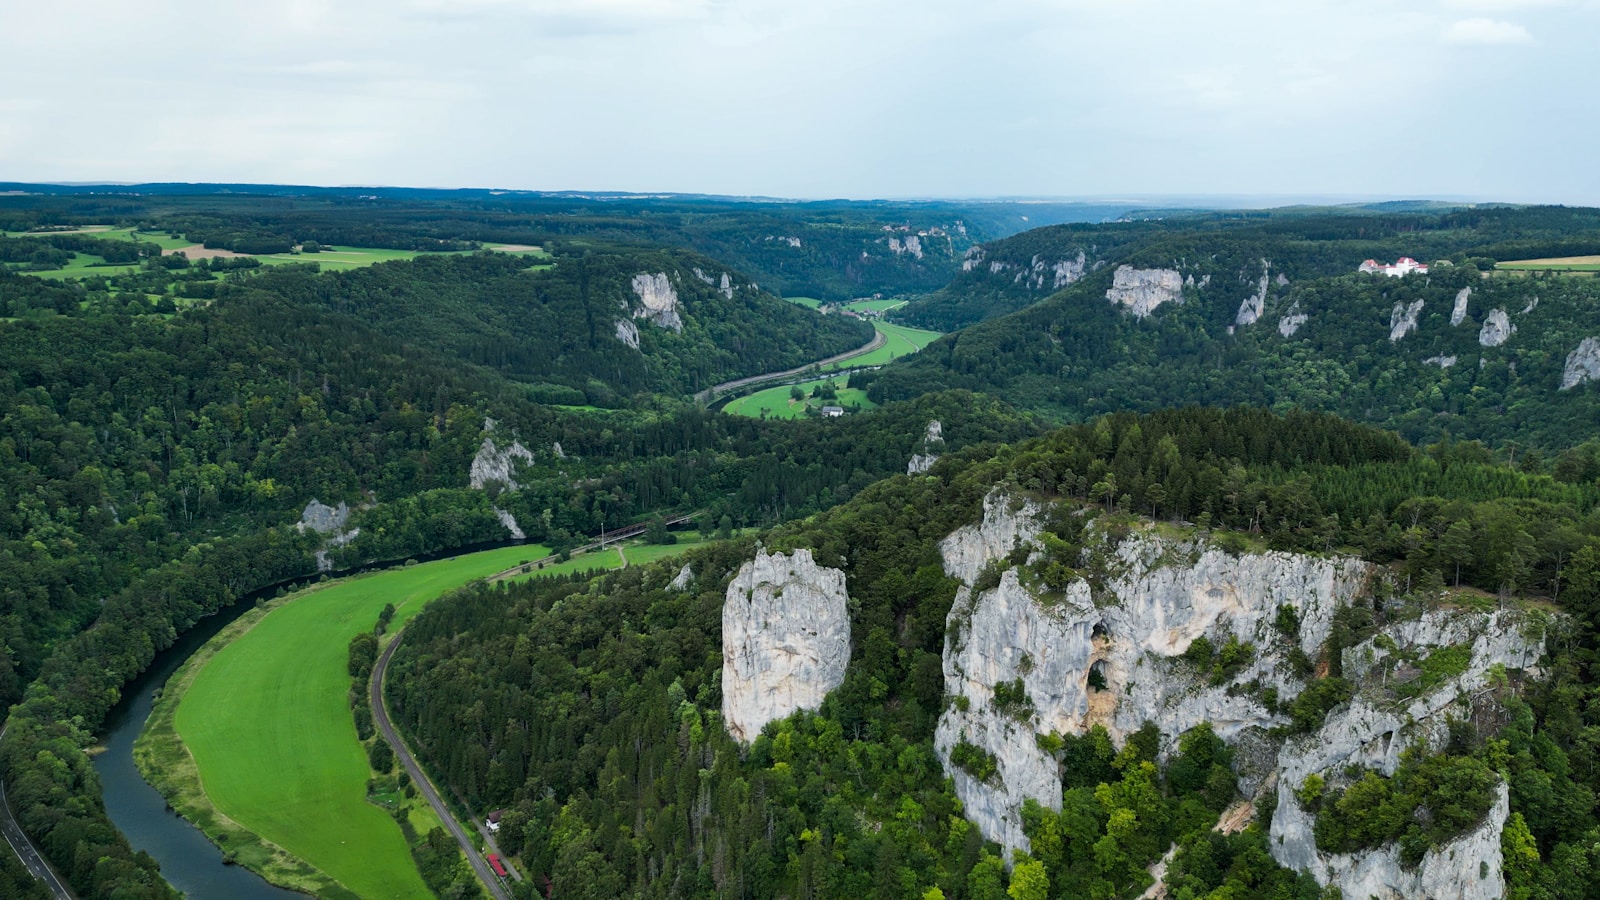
878 340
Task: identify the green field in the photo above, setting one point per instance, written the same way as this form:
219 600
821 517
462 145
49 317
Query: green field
778 404
270 731
874 305
810 302
902 341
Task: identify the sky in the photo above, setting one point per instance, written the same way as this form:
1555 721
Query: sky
1456 99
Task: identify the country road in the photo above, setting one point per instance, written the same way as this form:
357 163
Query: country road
709 394
30 855
380 717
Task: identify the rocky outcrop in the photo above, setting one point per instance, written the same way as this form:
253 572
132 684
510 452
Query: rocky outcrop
497 464
1252 307
972 259
685 577
725 286
322 518
785 639
912 245
1443 362
628 333
1292 320
658 302
932 443
1371 733
1497 329
1088 656
1142 290
1459 312
1583 364
510 523
1403 320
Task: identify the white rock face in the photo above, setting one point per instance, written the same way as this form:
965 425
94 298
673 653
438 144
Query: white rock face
1443 362
1583 364
556 449
912 245
495 463
1459 312
658 301
1142 290
785 639
972 258
1166 593
1368 736
725 286
1403 320
1532 305
510 523
1252 307
1292 320
932 442
628 333
684 578
1497 329
322 518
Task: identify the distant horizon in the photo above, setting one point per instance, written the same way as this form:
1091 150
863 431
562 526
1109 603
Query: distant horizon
1217 201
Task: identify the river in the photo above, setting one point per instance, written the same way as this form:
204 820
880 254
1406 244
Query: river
188 860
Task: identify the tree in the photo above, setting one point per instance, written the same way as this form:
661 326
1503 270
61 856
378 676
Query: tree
363 653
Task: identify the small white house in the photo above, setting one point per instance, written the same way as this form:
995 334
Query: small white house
832 411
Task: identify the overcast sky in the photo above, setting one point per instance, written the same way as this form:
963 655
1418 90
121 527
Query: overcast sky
1473 99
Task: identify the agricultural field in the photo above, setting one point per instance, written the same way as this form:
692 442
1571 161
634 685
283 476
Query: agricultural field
271 734
874 305
778 402
1553 264
808 302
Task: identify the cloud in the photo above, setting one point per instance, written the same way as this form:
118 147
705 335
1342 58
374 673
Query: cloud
1495 6
1486 32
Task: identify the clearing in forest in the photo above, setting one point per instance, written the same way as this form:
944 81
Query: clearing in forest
1554 264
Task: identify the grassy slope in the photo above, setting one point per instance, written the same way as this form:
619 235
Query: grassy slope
270 729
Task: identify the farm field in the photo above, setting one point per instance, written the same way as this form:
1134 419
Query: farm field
810 302
272 737
1554 264
874 305
779 404
902 341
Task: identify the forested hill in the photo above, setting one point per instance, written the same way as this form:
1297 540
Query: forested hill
1003 276
1243 316
588 328
590 710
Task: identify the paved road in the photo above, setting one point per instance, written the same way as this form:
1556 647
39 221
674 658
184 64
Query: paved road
29 854
380 716
878 340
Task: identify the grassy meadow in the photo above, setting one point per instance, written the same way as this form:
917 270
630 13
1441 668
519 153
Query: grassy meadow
902 341
266 721
1553 264
254 740
779 404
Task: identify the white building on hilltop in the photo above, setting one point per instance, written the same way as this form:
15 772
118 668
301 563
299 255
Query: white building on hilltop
1405 265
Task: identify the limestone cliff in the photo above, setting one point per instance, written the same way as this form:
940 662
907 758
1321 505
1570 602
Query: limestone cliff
932 444
658 302
1497 329
785 639
1459 311
1089 656
1250 310
1023 660
1583 364
1371 732
1403 320
497 463
1142 290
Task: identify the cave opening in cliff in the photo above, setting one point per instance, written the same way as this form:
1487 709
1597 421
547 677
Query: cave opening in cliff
1097 676
1100 632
